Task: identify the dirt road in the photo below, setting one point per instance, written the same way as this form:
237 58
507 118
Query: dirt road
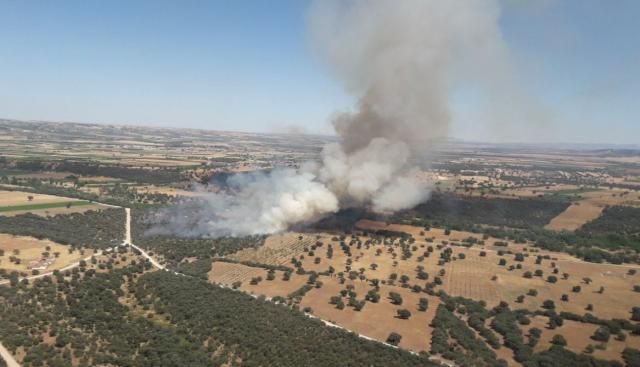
8 358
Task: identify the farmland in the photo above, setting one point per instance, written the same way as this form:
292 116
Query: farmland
511 250
365 264
588 208
17 199
18 202
35 207
25 250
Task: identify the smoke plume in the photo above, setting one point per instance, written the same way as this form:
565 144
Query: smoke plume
399 59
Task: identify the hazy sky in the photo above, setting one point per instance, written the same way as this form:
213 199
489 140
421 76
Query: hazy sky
248 65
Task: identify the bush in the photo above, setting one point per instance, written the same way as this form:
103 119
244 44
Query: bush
423 304
559 340
395 298
394 338
602 334
548 304
404 314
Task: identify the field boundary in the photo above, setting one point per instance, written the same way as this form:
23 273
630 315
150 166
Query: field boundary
13 208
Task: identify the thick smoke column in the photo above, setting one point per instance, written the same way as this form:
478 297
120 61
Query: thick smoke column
398 58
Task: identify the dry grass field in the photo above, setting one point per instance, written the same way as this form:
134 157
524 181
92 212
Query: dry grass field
578 336
227 273
587 209
472 277
278 249
15 198
376 320
29 249
473 273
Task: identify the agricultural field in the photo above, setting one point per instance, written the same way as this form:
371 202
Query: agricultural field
510 240
490 270
22 254
19 198
278 249
17 202
166 190
578 336
230 273
589 207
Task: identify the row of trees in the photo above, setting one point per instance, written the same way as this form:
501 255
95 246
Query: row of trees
93 229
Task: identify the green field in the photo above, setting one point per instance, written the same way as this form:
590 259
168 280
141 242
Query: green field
8 172
569 194
43 206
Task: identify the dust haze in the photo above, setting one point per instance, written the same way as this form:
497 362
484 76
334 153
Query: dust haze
400 60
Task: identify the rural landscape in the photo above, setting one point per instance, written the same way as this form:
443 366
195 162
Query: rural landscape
517 259
319 183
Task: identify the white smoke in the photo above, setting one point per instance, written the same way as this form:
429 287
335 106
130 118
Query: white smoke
400 59
255 203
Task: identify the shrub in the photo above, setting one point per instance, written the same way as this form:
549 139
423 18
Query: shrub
602 334
559 340
423 304
395 298
394 338
404 314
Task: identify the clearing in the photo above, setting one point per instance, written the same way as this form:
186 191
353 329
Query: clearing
32 253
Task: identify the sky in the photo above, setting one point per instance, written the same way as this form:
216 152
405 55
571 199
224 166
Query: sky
248 65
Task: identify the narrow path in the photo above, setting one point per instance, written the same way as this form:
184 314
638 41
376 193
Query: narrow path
8 358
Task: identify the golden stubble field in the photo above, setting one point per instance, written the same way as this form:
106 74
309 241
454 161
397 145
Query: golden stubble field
14 198
475 276
589 208
472 277
30 249
375 320
20 198
578 336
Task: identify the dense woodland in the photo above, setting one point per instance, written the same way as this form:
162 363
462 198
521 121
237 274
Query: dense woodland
92 229
170 321
175 249
516 213
617 225
142 175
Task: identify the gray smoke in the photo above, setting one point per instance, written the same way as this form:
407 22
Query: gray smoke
254 203
399 59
